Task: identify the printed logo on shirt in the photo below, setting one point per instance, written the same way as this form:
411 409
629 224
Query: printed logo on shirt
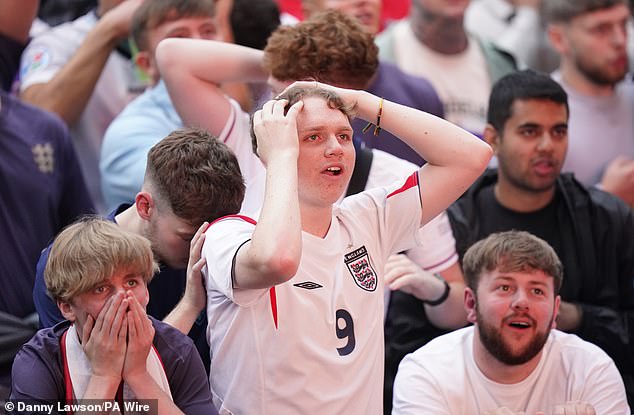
309 285
37 59
44 157
358 263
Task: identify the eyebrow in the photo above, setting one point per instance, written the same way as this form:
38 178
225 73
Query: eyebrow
320 128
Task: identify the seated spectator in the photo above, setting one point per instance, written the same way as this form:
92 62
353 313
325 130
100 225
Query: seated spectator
41 189
375 76
76 71
433 43
511 361
186 180
589 229
109 349
591 39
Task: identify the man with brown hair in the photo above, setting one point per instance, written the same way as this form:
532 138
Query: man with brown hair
191 180
108 349
342 54
511 361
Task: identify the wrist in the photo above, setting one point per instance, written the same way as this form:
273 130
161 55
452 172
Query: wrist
442 297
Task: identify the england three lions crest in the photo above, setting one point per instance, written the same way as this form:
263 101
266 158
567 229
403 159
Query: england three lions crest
358 263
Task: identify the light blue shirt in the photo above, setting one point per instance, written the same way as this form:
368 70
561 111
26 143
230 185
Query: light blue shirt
143 123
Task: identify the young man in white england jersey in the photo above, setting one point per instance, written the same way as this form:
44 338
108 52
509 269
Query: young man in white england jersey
295 302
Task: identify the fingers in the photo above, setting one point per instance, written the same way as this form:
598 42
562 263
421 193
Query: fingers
574 408
196 245
87 329
295 109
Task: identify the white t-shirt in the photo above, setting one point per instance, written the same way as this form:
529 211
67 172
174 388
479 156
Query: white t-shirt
461 80
47 54
442 378
315 343
599 130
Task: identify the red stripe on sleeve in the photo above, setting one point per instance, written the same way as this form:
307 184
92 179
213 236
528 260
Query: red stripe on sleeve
242 217
273 297
411 181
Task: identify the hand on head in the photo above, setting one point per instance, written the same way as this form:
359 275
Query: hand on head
275 131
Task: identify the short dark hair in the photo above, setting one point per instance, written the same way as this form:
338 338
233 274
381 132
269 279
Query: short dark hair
153 13
521 85
252 22
297 93
562 11
329 47
196 175
511 251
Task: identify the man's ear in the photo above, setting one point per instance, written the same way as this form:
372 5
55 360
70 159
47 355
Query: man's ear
491 137
67 310
145 205
557 37
470 304
143 61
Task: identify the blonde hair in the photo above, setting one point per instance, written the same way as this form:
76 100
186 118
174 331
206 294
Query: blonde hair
91 250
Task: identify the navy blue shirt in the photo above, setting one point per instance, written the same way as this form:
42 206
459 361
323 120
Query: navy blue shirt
396 86
41 191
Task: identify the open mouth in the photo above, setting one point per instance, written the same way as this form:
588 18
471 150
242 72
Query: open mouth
333 171
519 325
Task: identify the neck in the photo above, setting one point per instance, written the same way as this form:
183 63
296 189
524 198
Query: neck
130 221
316 221
520 200
576 80
497 371
442 35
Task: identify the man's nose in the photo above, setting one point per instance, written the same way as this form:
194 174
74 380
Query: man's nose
520 300
333 146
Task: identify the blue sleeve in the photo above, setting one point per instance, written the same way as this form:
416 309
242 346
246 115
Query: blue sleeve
46 308
127 142
185 372
36 374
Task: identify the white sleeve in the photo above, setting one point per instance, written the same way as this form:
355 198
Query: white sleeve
437 250
604 389
48 52
415 391
237 136
223 239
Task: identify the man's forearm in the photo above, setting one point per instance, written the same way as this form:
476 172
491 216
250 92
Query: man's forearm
70 89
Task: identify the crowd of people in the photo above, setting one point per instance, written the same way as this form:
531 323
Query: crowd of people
261 207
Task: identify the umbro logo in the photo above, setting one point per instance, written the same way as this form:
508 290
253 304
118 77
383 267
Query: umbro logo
309 285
